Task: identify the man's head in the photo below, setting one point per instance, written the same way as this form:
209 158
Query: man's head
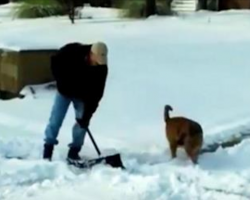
99 54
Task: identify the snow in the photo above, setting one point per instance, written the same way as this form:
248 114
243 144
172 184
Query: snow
99 13
6 11
197 63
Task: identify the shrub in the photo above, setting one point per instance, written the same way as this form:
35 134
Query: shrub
134 9
39 8
137 8
163 7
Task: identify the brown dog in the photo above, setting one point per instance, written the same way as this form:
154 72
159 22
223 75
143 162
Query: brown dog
183 132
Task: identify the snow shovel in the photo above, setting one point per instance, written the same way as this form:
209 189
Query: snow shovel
112 160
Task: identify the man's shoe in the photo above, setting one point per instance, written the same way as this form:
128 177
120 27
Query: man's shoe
48 151
73 157
74 153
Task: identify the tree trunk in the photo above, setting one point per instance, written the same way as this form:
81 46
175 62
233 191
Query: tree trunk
150 7
72 13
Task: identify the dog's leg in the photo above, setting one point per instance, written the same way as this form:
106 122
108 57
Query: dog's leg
192 152
194 159
173 148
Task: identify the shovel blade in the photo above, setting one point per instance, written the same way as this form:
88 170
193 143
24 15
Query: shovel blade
112 160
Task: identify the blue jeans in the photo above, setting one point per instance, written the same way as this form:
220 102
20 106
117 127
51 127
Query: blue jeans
58 113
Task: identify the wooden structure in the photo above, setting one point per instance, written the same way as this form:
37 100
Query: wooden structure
218 5
184 6
233 4
25 67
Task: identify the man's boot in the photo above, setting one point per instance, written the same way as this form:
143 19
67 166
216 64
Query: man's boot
48 151
73 156
74 153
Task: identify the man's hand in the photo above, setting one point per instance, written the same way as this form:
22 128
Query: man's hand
89 109
84 122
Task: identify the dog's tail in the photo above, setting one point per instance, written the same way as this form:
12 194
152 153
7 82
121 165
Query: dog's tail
167 108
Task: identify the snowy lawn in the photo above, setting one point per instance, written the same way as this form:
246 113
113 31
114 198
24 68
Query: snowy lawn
198 64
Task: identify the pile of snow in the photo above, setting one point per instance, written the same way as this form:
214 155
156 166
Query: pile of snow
227 176
6 11
100 13
86 12
198 64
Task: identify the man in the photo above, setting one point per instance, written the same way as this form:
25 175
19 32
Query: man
80 72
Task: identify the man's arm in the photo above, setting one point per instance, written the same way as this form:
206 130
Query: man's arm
91 102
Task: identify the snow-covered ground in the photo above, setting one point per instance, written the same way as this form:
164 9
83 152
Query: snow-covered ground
198 64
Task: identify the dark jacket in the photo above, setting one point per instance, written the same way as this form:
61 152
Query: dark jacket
76 79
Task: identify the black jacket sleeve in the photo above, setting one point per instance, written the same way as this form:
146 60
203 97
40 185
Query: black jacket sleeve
96 85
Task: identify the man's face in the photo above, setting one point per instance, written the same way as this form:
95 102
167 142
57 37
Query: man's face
93 59
98 59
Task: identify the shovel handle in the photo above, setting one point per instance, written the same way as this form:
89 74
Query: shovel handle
93 141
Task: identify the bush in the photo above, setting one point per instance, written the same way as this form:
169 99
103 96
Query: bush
137 8
118 3
134 9
163 7
39 8
101 3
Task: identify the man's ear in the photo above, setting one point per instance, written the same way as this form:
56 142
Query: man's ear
89 56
